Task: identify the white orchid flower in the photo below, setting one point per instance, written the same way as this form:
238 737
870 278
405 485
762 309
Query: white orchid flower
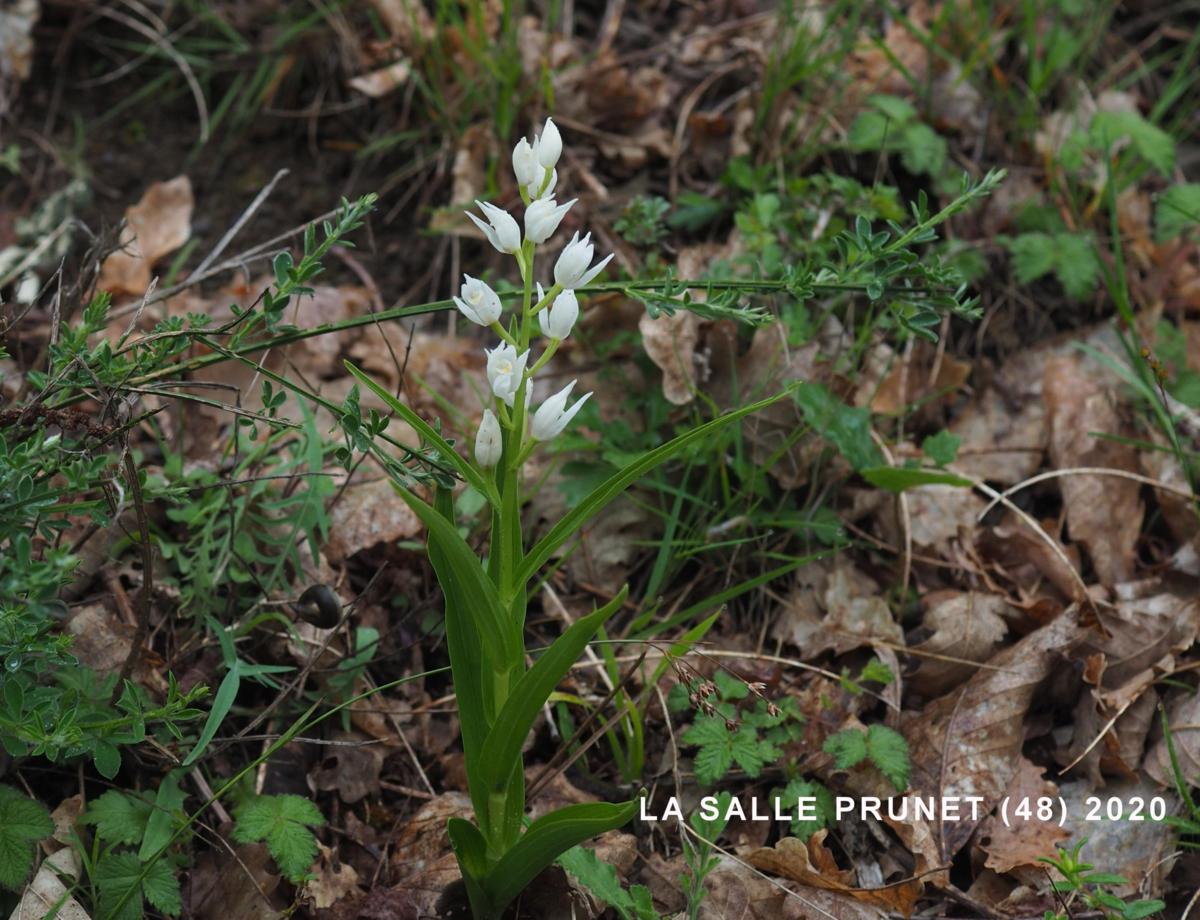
553 415
559 318
542 218
571 270
501 229
505 369
478 303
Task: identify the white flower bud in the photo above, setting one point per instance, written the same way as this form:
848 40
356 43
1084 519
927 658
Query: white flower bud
489 443
479 303
549 145
552 416
505 370
558 319
542 218
526 167
571 270
501 229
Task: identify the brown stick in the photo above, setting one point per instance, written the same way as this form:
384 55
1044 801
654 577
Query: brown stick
147 590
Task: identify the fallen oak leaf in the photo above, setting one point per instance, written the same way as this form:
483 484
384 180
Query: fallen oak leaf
812 864
158 224
968 742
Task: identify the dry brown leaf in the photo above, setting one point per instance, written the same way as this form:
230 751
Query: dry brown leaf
1024 553
158 224
1142 637
366 515
380 82
1183 716
407 20
608 544
232 885
939 515
351 768
1021 843
812 864
1104 513
835 607
967 626
16 47
1142 851
925 377
422 860
102 643
670 342
969 741
737 892
47 892
332 881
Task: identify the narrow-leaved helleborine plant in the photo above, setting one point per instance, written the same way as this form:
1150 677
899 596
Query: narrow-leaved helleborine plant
485 601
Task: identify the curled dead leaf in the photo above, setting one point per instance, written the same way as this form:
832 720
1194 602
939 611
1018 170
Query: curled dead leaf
969 741
158 224
966 627
812 864
835 607
1104 513
1021 843
366 515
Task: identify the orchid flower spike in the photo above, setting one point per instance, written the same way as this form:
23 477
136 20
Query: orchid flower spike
571 270
542 218
505 370
558 319
478 303
501 229
549 145
553 415
526 167
488 441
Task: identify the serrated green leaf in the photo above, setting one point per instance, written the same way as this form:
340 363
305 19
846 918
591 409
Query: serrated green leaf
712 762
119 817
23 822
848 748
888 751
1176 211
118 878
730 687
161 888
600 878
941 448
1076 266
1154 144
282 822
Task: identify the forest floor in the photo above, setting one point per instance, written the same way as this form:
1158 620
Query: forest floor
959 558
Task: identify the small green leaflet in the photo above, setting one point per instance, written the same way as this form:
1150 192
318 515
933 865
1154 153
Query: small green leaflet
941 448
848 748
847 428
883 747
1177 211
601 880
721 748
283 822
23 822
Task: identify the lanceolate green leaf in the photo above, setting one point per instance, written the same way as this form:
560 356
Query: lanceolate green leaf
428 432
547 839
466 658
461 568
619 482
502 748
